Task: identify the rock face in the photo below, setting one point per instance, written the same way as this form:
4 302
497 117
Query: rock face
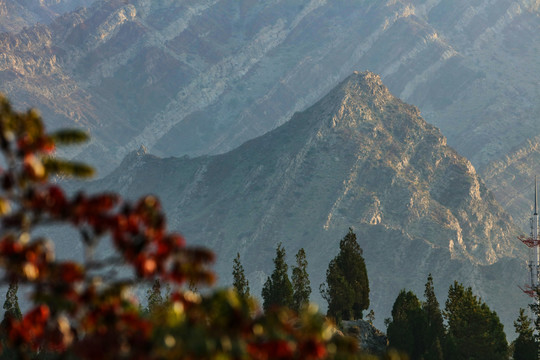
18 14
203 76
370 340
512 181
359 157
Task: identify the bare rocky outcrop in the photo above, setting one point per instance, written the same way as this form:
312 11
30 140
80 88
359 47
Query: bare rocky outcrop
370 339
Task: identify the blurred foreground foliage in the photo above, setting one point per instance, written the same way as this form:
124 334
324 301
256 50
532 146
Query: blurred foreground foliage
78 313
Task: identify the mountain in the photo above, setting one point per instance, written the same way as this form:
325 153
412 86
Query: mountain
360 158
203 76
15 15
512 181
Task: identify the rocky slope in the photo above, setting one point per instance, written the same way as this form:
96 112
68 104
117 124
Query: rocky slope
18 14
370 340
359 157
199 77
512 181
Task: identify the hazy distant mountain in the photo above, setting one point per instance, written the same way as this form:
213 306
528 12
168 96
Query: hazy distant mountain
512 181
359 157
203 76
17 14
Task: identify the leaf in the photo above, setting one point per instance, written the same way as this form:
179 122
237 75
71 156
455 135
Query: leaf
68 168
5 207
69 137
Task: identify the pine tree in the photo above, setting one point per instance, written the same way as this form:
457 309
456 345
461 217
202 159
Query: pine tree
347 288
12 311
300 281
11 305
155 299
371 316
474 331
277 290
434 330
406 328
525 347
240 283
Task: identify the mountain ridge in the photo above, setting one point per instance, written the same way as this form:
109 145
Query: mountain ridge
203 77
358 157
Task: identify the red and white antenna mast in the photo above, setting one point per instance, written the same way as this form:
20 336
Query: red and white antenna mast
533 242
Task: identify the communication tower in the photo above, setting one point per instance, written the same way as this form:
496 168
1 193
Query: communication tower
533 242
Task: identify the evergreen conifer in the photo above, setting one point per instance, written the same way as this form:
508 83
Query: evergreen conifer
525 347
11 305
434 329
347 288
240 283
474 331
406 329
277 290
155 299
300 281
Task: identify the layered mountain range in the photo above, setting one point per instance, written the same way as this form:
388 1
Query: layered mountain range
15 15
359 158
201 77
512 180
198 77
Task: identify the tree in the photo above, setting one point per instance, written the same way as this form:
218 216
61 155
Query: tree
371 316
155 299
417 328
277 290
406 329
68 299
434 329
347 288
11 305
474 331
300 282
240 283
525 347
77 312
11 313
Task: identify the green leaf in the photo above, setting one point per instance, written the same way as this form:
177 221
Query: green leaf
68 168
69 137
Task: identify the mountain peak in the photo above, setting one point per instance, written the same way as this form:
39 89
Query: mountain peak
369 148
358 158
362 103
365 82
367 78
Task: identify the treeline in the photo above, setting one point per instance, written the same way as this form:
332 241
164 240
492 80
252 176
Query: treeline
465 329
346 288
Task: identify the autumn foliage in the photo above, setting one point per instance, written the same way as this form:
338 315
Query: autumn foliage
79 313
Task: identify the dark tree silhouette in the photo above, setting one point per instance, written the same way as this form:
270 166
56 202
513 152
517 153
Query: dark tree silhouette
525 346
474 331
241 284
277 290
300 281
347 288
